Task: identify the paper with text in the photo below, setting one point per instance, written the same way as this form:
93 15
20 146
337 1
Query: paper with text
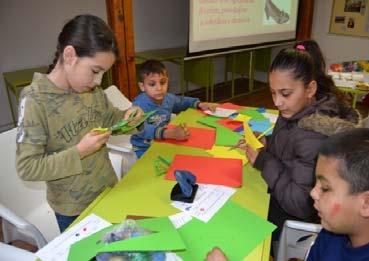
58 248
209 199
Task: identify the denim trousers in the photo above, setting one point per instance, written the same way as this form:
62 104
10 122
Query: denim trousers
64 221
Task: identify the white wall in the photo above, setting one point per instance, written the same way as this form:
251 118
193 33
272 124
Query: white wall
160 23
336 48
28 33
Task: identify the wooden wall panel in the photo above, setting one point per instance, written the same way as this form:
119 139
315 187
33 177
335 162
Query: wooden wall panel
305 22
120 19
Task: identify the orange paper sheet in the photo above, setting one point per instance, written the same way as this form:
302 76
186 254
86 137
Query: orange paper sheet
209 170
199 138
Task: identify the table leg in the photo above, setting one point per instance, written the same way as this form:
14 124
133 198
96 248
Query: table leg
233 69
251 71
183 86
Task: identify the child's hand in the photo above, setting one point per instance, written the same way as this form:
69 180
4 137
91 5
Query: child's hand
251 154
216 255
133 115
208 106
177 133
92 142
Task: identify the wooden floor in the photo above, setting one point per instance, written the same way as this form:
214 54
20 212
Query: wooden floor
260 97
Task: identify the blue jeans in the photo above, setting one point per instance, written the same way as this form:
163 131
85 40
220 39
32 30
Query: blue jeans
64 221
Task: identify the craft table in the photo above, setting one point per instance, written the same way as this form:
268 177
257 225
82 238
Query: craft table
142 193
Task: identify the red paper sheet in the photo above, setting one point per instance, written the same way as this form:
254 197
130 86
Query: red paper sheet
230 124
209 170
230 106
199 138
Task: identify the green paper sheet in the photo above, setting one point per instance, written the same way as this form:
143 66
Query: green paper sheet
209 121
253 113
234 229
224 136
166 238
126 128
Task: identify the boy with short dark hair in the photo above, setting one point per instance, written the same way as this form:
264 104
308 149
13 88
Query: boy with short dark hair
341 197
153 82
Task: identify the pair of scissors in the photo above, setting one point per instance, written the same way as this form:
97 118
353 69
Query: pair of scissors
241 143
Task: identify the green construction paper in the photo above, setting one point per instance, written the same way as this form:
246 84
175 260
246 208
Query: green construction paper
236 230
164 238
123 126
253 113
209 121
224 136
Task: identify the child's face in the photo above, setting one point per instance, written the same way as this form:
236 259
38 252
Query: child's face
290 96
155 85
337 208
85 73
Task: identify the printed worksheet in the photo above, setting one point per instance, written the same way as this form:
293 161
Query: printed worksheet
209 199
180 219
58 248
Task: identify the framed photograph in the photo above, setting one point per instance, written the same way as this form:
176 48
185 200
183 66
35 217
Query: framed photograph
350 17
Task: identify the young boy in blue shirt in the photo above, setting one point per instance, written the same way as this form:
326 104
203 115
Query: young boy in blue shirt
153 82
341 197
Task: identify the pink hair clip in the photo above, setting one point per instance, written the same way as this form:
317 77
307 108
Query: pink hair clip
300 47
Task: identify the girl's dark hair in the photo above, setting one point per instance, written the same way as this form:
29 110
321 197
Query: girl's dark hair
306 63
313 49
151 66
88 34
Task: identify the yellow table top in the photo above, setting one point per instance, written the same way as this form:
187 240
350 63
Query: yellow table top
142 193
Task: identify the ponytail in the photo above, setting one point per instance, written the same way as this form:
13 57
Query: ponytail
52 66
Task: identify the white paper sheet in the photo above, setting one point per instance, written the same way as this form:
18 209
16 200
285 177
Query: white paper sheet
58 248
220 112
209 199
180 219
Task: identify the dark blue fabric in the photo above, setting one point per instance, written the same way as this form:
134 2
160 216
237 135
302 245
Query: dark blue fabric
64 221
185 180
332 247
153 125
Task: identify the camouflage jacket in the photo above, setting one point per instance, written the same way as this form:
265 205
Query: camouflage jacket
51 123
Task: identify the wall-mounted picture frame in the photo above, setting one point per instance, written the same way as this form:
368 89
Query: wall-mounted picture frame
350 17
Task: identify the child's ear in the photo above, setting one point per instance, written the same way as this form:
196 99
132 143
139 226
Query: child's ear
364 210
69 55
312 88
141 85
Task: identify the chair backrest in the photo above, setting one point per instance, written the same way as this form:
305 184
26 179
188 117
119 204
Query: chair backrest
121 154
296 239
117 98
27 199
11 221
